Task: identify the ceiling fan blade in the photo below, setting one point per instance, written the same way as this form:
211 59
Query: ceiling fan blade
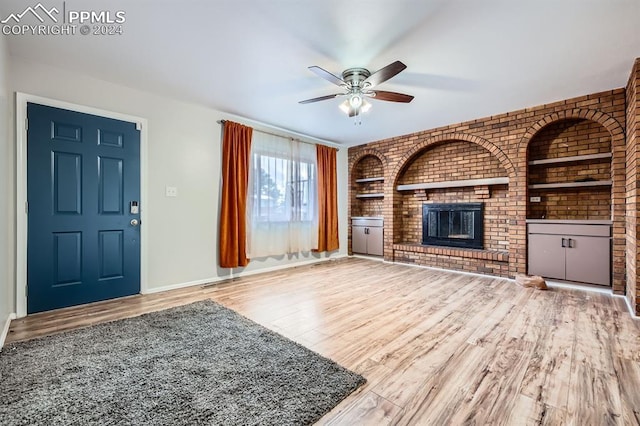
321 72
383 95
321 98
384 74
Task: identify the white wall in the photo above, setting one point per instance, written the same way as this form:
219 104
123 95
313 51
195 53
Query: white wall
6 199
184 150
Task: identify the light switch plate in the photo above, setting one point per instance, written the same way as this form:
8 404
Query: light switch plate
535 199
171 191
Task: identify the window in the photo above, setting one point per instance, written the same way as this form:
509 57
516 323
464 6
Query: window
282 197
282 189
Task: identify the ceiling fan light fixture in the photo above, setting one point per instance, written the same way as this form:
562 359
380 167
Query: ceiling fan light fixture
356 100
355 105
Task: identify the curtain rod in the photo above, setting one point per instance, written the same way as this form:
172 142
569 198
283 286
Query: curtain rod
280 136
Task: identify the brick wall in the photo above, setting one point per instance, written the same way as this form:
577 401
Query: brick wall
572 205
454 160
506 137
632 187
483 262
368 166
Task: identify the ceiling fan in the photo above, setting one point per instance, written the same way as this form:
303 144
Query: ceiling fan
358 83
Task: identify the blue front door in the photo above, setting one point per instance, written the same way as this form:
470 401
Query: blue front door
83 177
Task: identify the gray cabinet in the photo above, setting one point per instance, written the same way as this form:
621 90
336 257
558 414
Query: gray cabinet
546 256
367 235
588 260
575 252
359 239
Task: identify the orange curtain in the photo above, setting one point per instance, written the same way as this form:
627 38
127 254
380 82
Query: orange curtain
327 199
236 151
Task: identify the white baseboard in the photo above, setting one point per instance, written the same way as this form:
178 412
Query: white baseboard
577 286
368 257
181 285
214 280
5 329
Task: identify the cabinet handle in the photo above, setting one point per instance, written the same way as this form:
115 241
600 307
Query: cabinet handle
564 242
570 243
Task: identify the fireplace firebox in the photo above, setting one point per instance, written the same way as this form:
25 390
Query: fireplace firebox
453 225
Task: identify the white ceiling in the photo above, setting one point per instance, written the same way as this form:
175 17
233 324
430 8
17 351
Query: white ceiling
465 59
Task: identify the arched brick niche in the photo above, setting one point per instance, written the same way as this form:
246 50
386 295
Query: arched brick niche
439 163
367 186
587 132
367 175
588 143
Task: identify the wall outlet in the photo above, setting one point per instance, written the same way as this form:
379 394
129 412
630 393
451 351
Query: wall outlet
171 191
535 199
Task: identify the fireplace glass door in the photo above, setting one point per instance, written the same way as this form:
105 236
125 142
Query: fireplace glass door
455 225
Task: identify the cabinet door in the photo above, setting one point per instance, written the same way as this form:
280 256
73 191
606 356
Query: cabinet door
546 256
588 260
375 241
358 239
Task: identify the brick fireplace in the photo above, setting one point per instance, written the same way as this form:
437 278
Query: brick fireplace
487 161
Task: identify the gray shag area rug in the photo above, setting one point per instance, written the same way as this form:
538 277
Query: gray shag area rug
199 364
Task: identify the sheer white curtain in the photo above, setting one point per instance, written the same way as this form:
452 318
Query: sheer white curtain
282 208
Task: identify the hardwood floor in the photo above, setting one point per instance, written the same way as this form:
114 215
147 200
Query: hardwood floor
436 347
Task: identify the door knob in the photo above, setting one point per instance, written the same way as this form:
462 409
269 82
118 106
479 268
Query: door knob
135 222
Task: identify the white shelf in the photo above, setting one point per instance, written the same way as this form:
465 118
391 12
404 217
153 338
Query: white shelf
570 184
371 179
570 159
375 195
454 184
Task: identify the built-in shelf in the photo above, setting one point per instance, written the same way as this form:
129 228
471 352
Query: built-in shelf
374 195
454 184
371 179
570 184
570 159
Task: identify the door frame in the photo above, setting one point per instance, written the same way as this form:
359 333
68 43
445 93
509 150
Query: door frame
21 185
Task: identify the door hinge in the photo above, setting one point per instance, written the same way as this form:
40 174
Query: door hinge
26 124
26 207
